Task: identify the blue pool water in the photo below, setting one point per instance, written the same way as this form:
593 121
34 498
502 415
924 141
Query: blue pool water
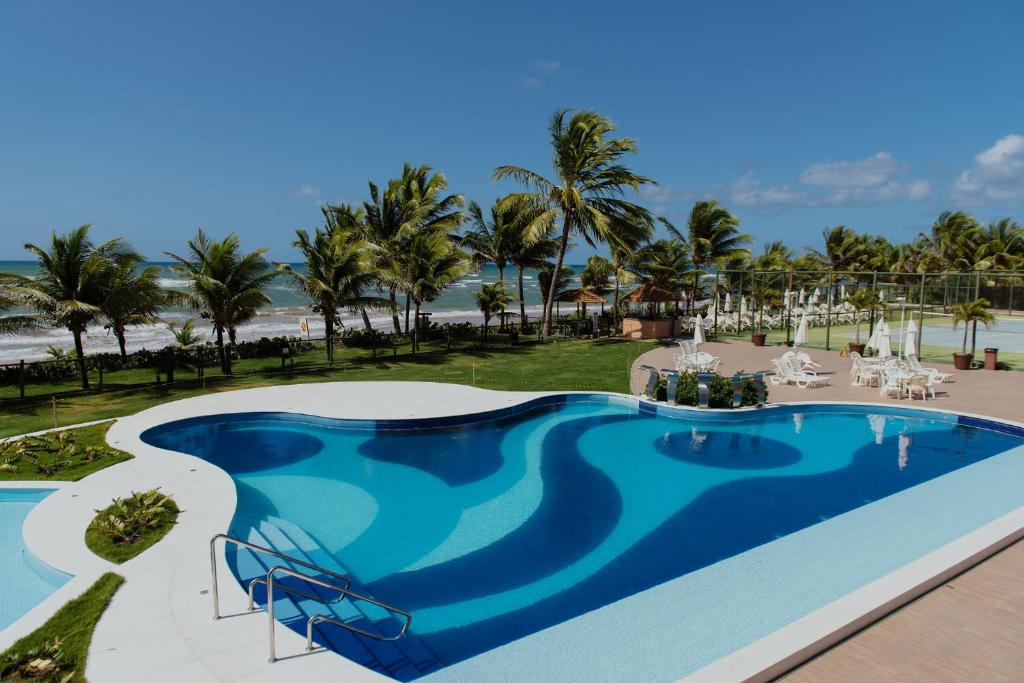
24 580
490 530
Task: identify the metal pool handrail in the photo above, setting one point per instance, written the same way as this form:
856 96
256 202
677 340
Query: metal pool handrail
258 548
271 583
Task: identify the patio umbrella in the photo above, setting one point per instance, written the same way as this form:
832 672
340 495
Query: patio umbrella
842 291
872 342
785 299
743 306
881 295
803 296
728 302
904 452
801 331
885 341
877 423
698 330
817 295
798 422
910 341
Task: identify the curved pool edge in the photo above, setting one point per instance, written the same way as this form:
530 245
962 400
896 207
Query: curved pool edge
179 633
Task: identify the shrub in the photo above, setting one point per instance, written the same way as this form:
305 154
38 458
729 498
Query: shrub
45 661
127 519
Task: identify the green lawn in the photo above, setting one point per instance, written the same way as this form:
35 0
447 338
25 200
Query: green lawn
107 548
73 625
78 464
581 364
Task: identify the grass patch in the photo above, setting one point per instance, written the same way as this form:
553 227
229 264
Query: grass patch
77 454
72 628
131 525
580 364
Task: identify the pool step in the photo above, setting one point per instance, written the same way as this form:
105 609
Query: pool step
403 659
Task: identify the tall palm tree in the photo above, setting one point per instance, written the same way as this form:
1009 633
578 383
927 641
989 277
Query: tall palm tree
73 280
1001 246
954 240
711 235
774 256
408 205
352 218
587 191
492 300
225 285
529 253
135 298
338 272
661 263
491 240
551 286
429 265
842 248
628 236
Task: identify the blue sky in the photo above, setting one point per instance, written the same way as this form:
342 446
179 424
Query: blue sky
150 119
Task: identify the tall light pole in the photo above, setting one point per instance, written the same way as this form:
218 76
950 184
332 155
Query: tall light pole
902 300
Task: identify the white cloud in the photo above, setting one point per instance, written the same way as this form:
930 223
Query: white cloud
307 191
871 172
547 66
997 175
541 70
531 82
666 195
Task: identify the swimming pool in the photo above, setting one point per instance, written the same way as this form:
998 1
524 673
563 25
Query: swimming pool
488 530
24 580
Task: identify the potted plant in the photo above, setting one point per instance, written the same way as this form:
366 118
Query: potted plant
970 313
863 299
763 297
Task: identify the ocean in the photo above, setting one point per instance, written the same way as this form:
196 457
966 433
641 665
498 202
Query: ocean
281 317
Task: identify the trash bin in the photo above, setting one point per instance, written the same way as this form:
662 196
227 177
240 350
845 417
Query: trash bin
991 358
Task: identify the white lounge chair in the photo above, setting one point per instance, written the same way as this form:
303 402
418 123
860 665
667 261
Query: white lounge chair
937 376
787 373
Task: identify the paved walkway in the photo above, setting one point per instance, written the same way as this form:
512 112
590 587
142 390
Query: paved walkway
971 628
997 394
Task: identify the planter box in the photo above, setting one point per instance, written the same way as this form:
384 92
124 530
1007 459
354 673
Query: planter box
962 361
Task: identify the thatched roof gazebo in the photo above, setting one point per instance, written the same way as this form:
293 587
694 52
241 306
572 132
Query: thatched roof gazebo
581 296
649 324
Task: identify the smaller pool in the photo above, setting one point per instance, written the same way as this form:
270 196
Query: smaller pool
25 581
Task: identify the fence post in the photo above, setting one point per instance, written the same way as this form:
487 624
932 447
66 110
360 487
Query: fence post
828 315
789 309
448 332
920 317
99 370
21 378
170 364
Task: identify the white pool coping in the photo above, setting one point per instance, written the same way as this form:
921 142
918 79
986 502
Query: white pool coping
159 626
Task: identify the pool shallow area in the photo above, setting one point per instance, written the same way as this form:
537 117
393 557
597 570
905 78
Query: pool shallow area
25 581
491 528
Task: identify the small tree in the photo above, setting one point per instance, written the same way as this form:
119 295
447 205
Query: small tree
864 299
970 313
765 296
492 300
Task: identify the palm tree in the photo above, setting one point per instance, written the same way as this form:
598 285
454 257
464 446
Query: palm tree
953 240
429 265
1002 246
863 299
628 236
551 286
492 300
525 253
73 281
185 336
136 297
970 313
13 322
711 236
491 241
338 271
225 285
408 205
586 194
842 248
661 263
775 256
350 218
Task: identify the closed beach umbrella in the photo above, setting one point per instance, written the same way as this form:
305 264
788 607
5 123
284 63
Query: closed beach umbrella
910 342
842 291
803 296
881 295
698 330
728 302
885 341
801 331
875 334
877 423
743 306
785 299
817 295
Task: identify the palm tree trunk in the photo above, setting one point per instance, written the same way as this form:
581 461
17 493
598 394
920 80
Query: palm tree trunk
366 318
552 288
501 273
220 350
693 294
394 311
615 315
121 341
522 301
329 333
80 357
407 301
416 338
